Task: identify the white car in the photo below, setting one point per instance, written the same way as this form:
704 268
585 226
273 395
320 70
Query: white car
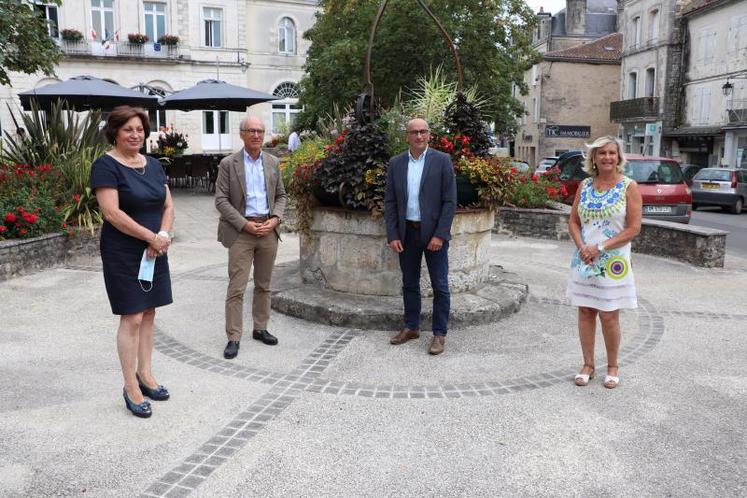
545 164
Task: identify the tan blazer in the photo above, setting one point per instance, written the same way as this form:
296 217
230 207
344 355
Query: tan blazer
230 194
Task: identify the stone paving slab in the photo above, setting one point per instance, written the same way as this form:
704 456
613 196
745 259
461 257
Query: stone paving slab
337 411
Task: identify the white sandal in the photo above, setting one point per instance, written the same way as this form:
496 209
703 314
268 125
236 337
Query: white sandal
583 379
611 381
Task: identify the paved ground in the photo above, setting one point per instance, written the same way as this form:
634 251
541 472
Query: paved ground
339 412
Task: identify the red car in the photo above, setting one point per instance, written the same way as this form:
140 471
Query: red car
665 194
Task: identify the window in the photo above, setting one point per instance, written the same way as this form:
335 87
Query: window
102 18
49 12
707 39
286 36
632 84
738 35
284 112
212 139
535 109
155 19
212 22
701 105
535 72
653 25
635 34
650 82
156 117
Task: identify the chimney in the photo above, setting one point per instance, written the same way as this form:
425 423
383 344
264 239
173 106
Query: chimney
575 17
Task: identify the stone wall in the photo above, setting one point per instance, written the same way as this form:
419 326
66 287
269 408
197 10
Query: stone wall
347 251
22 256
699 246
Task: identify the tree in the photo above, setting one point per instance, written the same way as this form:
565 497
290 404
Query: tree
493 38
25 44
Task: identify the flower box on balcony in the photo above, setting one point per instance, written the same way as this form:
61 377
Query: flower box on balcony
71 35
137 38
168 40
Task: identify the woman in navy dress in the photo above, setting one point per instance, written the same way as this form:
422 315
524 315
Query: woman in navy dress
138 216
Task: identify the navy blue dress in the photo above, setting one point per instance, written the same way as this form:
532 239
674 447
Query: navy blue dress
141 196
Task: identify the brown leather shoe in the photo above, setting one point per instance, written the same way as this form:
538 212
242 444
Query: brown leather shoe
404 336
437 344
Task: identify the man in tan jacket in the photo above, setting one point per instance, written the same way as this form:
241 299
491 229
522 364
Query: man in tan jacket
250 197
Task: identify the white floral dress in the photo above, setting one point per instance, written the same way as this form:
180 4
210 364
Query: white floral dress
607 283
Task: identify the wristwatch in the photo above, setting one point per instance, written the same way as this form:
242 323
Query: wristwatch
164 235
600 248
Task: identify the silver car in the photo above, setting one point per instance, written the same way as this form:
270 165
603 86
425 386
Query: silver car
725 187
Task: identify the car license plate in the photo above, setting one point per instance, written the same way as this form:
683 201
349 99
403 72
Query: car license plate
657 209
714 186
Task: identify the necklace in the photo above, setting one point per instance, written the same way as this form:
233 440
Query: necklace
139 170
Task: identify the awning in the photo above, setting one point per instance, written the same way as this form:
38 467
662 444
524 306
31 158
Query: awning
694 131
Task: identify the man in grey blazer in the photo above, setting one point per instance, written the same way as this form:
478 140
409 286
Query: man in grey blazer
419 207
250 197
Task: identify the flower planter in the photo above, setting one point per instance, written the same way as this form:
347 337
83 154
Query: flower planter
466 192
347 251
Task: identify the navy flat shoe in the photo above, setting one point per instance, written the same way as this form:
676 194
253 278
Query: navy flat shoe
160 393
141 410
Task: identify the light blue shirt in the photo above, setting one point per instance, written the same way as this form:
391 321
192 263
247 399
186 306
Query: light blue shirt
414 174
256 192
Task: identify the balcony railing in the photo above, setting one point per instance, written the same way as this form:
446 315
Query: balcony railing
119 49
645 107
738 112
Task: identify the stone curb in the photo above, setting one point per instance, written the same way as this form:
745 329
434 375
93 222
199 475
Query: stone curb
498 298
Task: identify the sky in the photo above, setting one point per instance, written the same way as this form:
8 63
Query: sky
551 6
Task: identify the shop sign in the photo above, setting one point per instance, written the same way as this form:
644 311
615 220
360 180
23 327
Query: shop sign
563 131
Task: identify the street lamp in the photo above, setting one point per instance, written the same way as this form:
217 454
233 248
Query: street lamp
727 88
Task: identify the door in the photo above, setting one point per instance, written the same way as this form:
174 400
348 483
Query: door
215 132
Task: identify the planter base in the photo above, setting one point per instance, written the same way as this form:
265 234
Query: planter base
499 296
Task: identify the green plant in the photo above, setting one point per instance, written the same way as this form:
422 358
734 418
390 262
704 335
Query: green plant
71 35
535 192
52 137
310 151
79 201
464 118
168 40
28 201
431 95
137 38
493 177
393 122
342 172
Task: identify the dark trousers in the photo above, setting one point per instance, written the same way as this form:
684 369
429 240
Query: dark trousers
438 268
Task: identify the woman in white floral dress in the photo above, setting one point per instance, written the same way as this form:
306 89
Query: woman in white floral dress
605 217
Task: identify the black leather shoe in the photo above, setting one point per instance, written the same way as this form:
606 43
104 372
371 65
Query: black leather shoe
160 393
264 336
141 410
232 349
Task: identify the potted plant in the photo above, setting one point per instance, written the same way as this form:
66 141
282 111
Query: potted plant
71 35
137 38
169 40
171 142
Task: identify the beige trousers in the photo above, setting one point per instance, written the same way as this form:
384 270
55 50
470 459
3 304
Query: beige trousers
247 250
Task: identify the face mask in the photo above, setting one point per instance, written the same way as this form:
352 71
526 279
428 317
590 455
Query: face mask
147 265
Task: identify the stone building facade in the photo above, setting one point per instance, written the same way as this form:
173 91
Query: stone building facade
560 112
251 43
714 84
651 57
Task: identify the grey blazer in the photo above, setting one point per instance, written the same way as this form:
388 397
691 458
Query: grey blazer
437 197
230 194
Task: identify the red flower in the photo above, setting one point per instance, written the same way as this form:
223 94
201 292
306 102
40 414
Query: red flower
76 197
10 218
23 231
30 218
3 228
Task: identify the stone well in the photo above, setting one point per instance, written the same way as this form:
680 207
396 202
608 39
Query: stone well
347 251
